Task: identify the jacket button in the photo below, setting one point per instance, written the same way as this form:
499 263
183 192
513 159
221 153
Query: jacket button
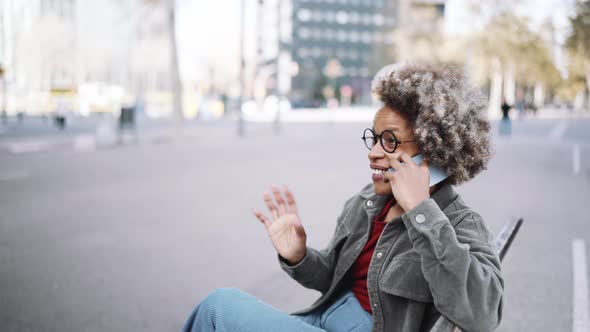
369 203
374 305
379 255
420 218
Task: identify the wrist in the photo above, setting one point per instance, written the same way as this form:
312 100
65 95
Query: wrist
295 259
413 204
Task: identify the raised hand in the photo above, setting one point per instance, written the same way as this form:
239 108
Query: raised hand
284 230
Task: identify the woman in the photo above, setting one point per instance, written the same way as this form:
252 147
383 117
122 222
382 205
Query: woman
405 248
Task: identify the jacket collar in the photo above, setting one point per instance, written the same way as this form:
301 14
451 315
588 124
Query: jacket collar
443 197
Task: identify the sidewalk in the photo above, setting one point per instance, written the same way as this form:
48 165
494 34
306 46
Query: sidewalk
366 113
105 134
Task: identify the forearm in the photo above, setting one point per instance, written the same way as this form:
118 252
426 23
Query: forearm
460 265
314 271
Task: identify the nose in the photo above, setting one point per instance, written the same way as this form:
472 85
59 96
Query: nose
376 152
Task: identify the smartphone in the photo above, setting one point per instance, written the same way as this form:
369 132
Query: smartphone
436 173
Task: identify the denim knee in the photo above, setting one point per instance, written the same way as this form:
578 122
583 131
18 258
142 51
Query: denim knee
220 296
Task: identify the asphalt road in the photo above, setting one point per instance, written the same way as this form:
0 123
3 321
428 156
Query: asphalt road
130 238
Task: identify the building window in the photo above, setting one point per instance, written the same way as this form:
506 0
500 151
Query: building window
342 17
329 34
316 16
304 33
364 72
378 19
316 34
353 36
316 52
329 16
304 15
366 37
377 37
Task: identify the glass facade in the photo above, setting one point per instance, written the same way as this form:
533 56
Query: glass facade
331 43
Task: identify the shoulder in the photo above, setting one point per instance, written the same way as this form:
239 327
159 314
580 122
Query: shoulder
466 220
354 205
367 192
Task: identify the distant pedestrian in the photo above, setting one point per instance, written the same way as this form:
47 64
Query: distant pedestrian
60 115
406 247
505 123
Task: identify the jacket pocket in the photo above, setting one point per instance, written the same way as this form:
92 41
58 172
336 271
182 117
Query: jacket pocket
404 278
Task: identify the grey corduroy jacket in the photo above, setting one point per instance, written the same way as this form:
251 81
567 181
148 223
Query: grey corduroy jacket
437 258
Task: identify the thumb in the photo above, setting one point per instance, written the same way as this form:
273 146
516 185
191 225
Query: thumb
300 230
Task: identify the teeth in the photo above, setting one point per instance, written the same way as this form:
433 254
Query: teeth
377 171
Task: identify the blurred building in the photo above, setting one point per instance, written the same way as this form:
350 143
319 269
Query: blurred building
38 39
79 56
420 35
422 16
315 51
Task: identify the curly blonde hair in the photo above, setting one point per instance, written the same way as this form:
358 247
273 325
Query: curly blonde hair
448 117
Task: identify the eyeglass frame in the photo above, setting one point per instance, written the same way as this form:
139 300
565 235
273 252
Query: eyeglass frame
380 138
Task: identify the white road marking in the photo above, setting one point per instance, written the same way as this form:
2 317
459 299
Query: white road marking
558 130
581 321
576 159
16 175
28 147
85 143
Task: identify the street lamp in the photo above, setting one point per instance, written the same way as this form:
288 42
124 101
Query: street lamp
241 129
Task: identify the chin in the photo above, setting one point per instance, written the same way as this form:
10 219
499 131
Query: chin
382 188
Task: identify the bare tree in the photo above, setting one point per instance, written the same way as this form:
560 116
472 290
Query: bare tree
578 44
176 83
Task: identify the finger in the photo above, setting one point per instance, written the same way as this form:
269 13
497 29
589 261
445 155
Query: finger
291 205
394 162
271 205
263 219
300 231
280 201
407 159
425 163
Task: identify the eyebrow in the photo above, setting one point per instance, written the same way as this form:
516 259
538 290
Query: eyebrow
389 128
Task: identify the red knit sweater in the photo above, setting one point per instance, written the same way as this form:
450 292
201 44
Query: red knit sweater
360 267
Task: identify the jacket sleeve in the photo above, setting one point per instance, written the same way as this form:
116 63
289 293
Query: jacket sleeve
316 269
460 265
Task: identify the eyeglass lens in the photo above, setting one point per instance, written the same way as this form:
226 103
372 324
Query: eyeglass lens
387 138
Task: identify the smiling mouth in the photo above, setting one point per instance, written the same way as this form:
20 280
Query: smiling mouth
377 171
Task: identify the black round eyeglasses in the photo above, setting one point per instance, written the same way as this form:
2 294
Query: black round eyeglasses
387 138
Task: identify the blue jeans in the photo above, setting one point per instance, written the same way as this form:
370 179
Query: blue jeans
230 309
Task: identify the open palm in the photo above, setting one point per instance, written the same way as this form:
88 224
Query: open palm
285 230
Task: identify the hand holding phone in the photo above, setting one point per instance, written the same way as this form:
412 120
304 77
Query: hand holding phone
436 173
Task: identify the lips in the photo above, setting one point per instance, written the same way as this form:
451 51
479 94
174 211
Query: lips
378 173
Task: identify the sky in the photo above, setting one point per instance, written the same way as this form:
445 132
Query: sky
208 31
